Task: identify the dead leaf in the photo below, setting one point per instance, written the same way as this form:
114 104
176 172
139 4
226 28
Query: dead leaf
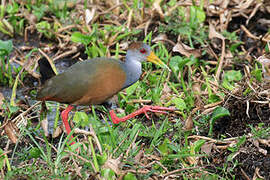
213 33
265 66
130 14
188 124
2 98
157 8
245 4
196 87
44 125
192 159
261 150
31 18
78 170
160 37
267 8
139 156
266 37
264 141
11 131
224 4
114 4
113 164
57 132
257 174
89 15
166 89
124 45
163 38
249 34
207 147
186 50
166 93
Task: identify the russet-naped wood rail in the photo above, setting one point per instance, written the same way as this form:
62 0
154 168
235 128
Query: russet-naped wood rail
96 80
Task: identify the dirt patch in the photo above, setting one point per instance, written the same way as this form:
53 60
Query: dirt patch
237 123
249 159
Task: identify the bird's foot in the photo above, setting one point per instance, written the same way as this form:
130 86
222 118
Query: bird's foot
64 116
155 109
143 110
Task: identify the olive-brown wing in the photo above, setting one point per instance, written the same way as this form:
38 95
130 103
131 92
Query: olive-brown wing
88 82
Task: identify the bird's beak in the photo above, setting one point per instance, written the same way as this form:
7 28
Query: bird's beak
154 59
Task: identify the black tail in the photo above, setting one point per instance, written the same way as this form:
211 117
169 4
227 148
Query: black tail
45 70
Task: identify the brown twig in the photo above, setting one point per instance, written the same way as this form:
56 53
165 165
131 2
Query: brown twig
67 53
49 60
132 142
4 153
25 112
221 62
81 158
180 170
249 34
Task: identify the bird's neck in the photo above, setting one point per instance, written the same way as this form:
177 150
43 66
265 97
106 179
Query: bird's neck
133 69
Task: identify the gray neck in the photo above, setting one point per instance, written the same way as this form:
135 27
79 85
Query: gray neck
133 69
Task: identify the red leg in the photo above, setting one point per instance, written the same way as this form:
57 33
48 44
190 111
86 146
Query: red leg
144 110
64 116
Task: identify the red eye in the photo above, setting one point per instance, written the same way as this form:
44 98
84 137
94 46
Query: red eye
143 51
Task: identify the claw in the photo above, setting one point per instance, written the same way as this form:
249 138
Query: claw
146 115
143 110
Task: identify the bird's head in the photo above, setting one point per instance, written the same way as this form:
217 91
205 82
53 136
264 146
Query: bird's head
140 51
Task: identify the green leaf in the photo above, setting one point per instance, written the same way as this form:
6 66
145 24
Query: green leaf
198 144
180 104
2 159
233 47
39 11
163 148
34 153
217 113
233 75
213 98
12 8
6 47
82 118
156 93
93 51
197 13
45 28
78 37
177 63
220 112
13 109
230 77
182 63
131 89
102 159
231 156
174 63
130 176
267 49
158 133
236 147
108 174
226 84
257 73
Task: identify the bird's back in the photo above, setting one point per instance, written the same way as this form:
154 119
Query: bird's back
87 82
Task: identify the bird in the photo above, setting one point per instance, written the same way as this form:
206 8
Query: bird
96 80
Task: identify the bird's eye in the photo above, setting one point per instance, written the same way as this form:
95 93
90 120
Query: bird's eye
143 51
